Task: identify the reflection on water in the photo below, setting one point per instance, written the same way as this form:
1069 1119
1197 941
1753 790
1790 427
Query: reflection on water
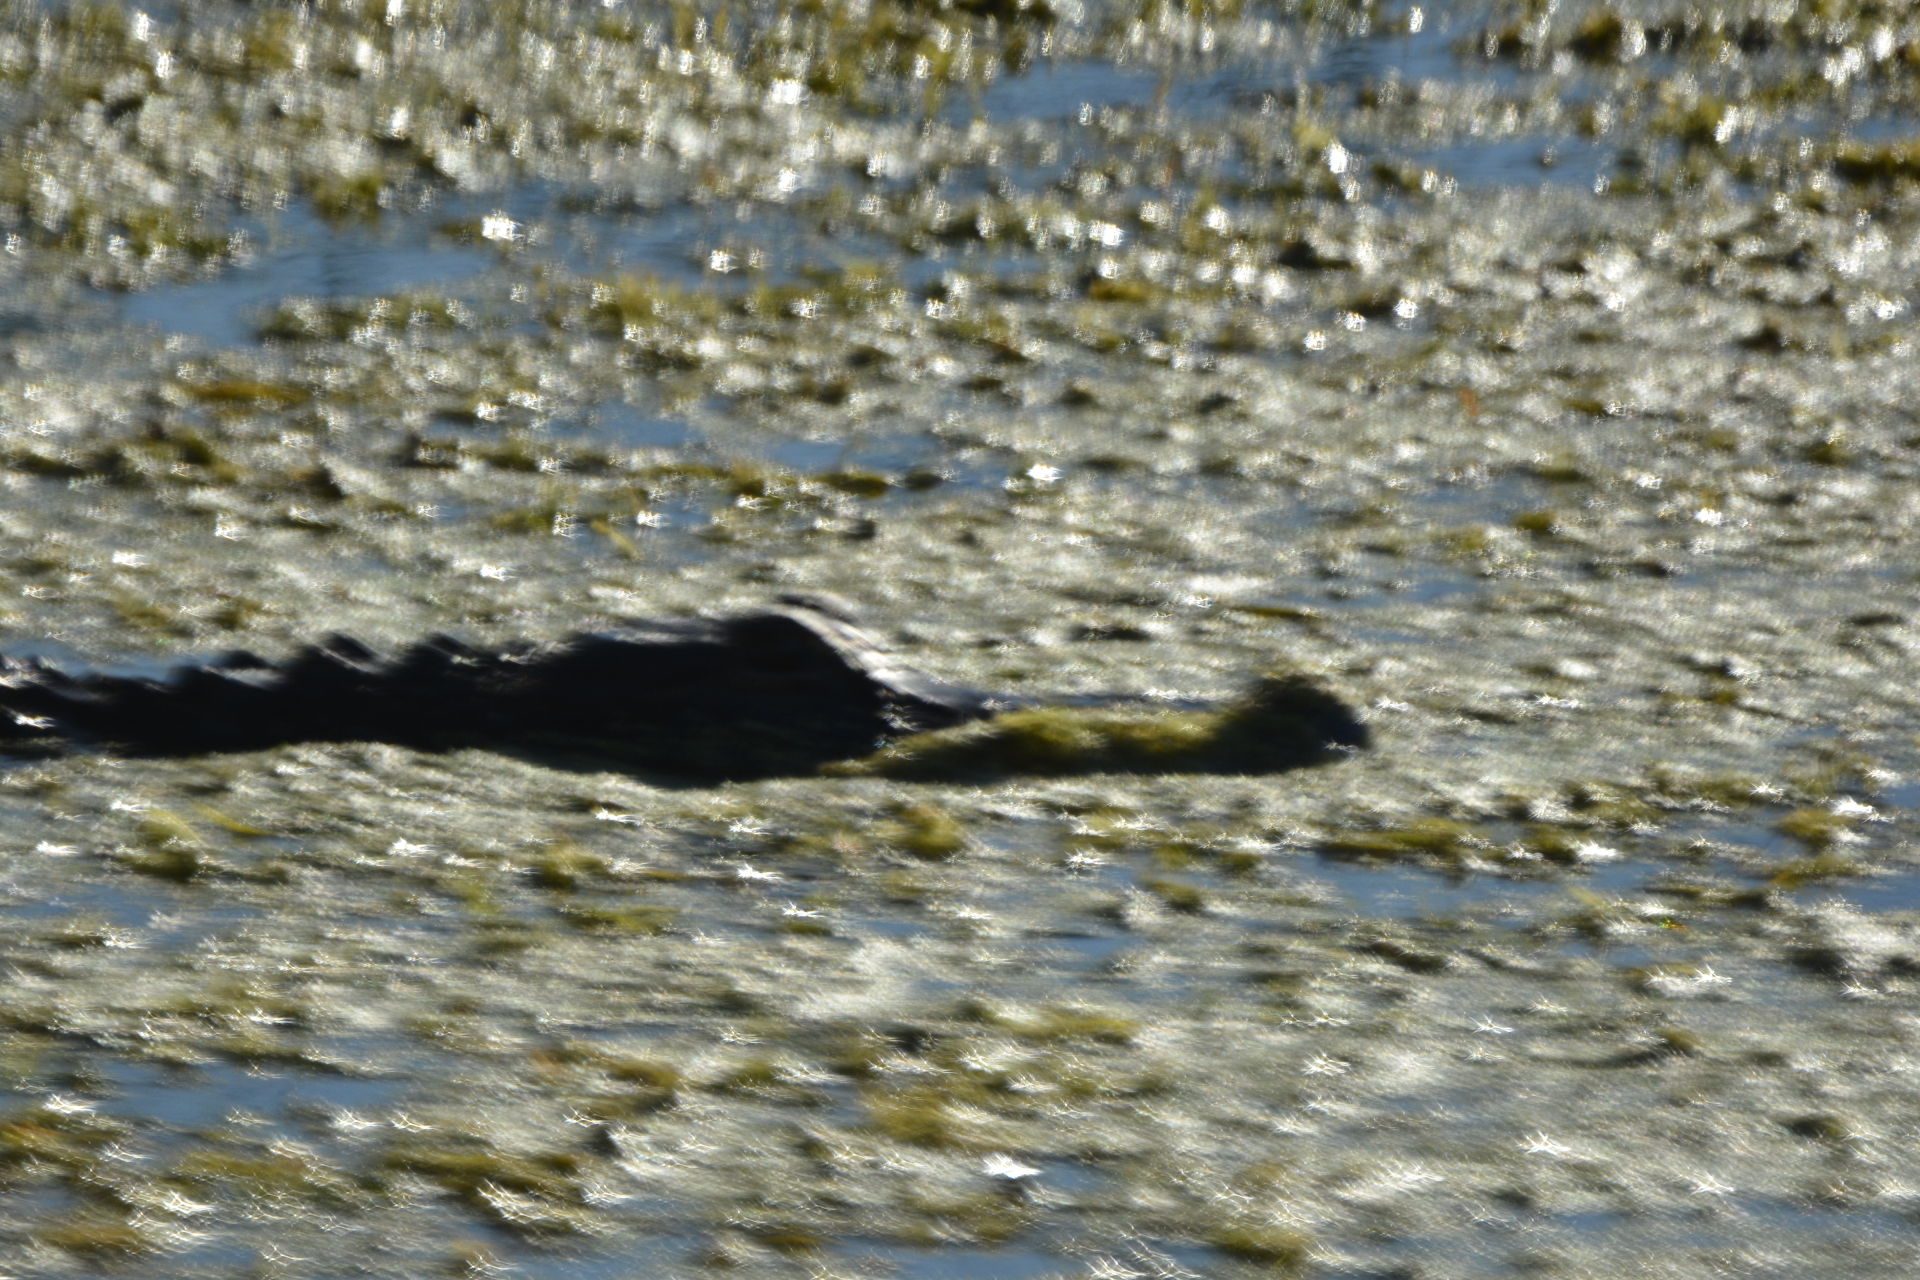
480 989
1059 90
1406 893
922 461
61 654
304 256
1530 161
199 1097
299 254
1872 892
1426 54
629 426
957 1264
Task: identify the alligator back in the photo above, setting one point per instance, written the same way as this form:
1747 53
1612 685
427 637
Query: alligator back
779 692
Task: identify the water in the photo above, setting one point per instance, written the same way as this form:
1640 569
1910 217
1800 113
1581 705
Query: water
294 252
960 1264
202 1097
1408 894
69 657
460 1012
305 256
1524 162
631 427
1054 92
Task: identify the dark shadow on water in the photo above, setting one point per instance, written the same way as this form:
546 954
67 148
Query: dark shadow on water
300 254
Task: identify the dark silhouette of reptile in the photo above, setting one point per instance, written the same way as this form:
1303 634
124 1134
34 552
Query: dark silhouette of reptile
769 694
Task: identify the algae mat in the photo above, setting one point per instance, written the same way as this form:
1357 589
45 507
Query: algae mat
1540 378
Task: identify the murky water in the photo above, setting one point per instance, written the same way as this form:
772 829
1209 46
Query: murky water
1540 380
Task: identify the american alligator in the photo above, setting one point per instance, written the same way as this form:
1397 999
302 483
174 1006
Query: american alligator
775 693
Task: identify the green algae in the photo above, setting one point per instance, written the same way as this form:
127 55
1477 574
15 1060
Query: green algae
1442 838
1818 829
98 1236
1268 1246
928 833
623 918
1177 894
174 850
269 1176
67 1142
536 1192
1171 423
1052 1023
563 867
1821 868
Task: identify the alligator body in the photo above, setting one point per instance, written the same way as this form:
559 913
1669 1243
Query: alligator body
772 693
776 693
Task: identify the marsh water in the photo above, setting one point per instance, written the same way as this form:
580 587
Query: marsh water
1538 376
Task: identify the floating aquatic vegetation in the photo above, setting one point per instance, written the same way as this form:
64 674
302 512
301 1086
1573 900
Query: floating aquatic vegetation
1128 377
98 1235
926 832
1270 1246
270 1176
1442 838
535 1192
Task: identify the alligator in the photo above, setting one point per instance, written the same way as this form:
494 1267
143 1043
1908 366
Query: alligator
780 692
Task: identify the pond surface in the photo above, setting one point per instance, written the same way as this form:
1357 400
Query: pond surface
1540 382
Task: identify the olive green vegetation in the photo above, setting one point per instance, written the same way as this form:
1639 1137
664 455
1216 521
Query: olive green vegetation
929 833
1437 836
1591 496
356 108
